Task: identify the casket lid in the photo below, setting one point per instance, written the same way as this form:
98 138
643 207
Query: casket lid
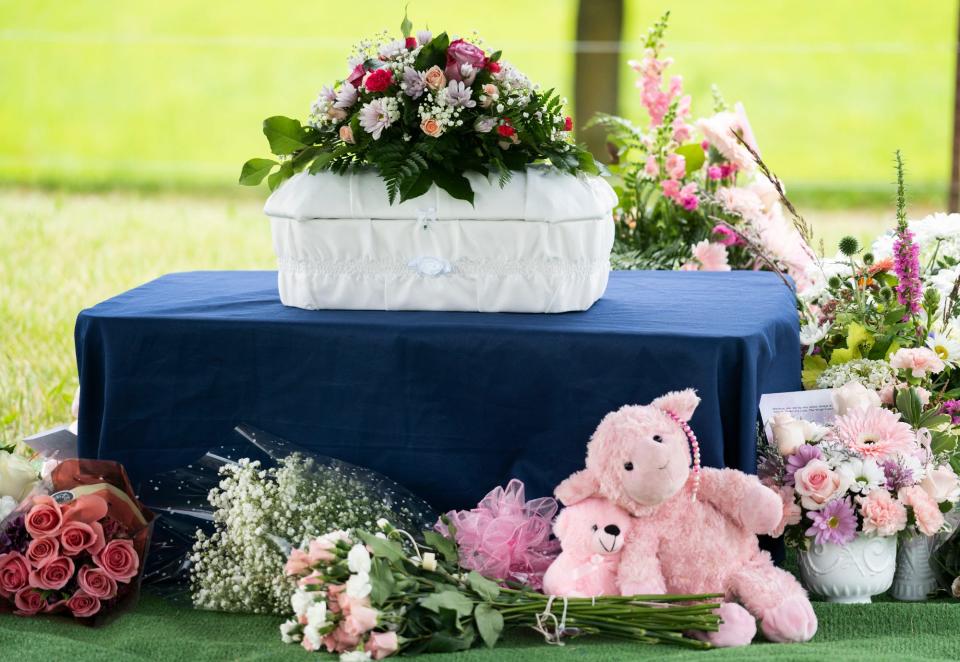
538 194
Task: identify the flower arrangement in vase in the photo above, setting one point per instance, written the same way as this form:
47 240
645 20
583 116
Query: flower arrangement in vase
424 109
693 193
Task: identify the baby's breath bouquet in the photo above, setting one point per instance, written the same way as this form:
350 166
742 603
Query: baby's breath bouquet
257 506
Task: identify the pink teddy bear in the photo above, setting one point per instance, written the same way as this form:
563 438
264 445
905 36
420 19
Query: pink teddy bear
693 531
592 533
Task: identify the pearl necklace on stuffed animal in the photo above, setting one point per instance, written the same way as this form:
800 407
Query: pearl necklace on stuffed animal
695 447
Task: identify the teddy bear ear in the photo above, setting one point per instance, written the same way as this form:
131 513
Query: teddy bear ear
579 486
680 403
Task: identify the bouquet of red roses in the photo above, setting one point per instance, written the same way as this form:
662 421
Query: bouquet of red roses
79 549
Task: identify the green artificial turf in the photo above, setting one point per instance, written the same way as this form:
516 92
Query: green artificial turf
158 630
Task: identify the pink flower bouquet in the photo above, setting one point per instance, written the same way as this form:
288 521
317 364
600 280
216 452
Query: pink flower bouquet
78 550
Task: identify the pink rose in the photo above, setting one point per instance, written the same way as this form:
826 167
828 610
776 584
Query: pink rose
76 537
82 604
119 560
435 79
918 360
460 53
431 127
54 574
925 510
816 483
941 484
28 601
44 518
382 644
360 619
41 550
297 563
14 573
96 582
882 514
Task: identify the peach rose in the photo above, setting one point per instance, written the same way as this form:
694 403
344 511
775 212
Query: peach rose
431 127
490 94
28 601
382 644
119 560
96 582
336 114
918 360
14 573
53 575
41 550
44 518
346 134
882 514
83 605
76 537
435 79
941 484
816 483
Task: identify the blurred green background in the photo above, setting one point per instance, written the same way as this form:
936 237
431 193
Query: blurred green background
123 125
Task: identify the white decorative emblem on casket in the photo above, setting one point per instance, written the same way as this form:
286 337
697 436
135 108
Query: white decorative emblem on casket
539 244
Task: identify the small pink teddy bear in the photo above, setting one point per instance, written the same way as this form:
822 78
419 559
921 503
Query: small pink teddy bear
592 533
693 531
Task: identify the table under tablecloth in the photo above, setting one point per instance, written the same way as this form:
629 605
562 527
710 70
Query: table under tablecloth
448 404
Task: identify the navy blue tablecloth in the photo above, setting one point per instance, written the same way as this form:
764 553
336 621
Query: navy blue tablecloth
448 404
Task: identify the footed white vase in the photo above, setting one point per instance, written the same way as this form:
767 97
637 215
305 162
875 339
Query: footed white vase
914 579
851 573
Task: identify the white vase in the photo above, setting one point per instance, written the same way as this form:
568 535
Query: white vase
914 579
850 573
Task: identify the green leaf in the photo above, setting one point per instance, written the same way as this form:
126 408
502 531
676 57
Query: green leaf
445 546
909 406
442 642
813 367
941 442
495 56
386 549
284 134
489 623
693 156
434 53
321 162
282 174
255 170
453 183
452 600
406 27
485 588
381 581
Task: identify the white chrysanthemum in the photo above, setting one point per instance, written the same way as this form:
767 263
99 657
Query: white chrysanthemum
392 49
379 114
863 476
459 95
811 333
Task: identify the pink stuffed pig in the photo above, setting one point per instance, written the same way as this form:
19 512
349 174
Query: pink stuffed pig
693 531
592 533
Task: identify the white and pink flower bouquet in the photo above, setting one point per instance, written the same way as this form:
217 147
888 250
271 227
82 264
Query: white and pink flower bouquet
77 550
373 594
692 194
868 472
422 110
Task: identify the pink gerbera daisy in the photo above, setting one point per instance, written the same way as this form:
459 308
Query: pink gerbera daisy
873 432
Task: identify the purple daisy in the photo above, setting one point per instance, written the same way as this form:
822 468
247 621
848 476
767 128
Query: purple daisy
799 460
836 523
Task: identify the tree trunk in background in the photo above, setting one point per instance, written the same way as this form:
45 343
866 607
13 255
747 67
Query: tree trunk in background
597 69
954 202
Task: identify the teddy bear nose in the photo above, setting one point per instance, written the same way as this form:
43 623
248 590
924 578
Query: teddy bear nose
612 529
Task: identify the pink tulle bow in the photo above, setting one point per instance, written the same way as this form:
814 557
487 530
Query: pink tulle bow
506 537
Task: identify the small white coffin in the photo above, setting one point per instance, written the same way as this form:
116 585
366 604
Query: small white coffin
540 244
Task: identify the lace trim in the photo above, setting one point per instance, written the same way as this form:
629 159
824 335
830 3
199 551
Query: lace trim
467 267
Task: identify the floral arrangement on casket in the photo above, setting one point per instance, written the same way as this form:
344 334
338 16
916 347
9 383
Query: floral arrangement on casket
423 110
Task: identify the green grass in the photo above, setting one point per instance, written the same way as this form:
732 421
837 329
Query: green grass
110 93
156 630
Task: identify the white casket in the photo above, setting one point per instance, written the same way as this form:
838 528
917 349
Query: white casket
539 244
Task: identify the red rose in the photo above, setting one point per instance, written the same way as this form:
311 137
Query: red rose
568 123
82 604
77 537
41 550
356 75
492 66
28 601
96 582
54 574
410 43
506 130
45 518
379 80
119 560
14 573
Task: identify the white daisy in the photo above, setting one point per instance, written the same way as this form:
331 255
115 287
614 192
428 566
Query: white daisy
946 346
863 476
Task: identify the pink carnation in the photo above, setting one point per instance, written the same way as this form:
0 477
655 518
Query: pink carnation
676 166
925 510
882 514
711 256
918 360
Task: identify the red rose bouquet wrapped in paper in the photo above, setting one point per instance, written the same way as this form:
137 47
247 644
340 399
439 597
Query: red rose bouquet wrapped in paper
79 549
